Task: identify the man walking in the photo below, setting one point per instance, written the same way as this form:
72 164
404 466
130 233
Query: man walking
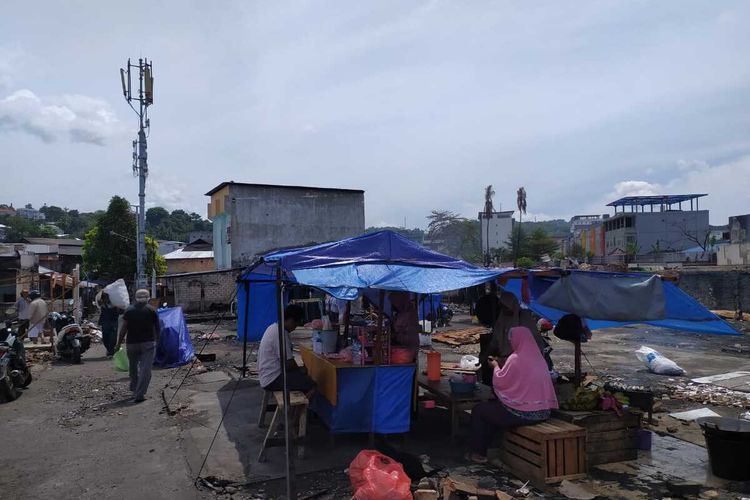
140 324
22 310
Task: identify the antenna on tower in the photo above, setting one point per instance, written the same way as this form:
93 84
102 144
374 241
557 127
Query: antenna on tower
145 98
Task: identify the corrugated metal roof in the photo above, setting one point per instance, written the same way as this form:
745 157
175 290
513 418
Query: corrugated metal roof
220 186
198 254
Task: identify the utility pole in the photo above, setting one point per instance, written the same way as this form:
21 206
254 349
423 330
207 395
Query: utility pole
145 98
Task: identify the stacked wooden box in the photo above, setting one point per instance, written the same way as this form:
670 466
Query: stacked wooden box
546 452
609 437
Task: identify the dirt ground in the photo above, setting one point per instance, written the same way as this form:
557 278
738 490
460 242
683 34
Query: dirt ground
75 434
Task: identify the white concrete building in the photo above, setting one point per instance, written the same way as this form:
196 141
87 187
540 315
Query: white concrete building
496 229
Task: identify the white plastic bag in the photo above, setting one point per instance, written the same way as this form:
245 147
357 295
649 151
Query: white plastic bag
469 362
118 294
657 362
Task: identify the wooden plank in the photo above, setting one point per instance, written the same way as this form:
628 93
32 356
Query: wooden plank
551 459
608 457
296 398
601 446
590 418
526 454
610 426
571 477
582 455
551 429
621 435
559 458
571 459
529 444
522 469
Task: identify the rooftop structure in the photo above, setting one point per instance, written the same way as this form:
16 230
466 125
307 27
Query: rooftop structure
664 202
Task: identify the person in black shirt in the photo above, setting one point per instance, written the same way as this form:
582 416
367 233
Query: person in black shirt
141 327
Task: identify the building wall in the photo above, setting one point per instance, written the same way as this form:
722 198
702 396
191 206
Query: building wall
203 292
222 238
263 218
733 254
664 231
498 229
739 228
175 266
721 289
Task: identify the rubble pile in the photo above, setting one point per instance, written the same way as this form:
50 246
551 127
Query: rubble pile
709 394
39 357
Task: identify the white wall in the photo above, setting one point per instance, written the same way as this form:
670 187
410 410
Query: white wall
500 230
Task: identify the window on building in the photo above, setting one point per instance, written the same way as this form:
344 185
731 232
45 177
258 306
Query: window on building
628 222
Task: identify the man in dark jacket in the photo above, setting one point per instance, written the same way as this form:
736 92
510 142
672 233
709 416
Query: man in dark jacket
140 324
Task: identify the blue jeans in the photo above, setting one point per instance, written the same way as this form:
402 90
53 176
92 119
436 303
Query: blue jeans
141 359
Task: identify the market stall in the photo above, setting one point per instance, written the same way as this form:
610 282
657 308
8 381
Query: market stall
376 395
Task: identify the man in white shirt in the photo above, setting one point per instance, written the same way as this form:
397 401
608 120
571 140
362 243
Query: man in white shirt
269 358
22 310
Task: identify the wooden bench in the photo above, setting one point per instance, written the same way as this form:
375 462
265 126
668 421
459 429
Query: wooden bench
297 419
544 453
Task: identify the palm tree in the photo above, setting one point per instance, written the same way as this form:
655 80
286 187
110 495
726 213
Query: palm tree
488 210
521 202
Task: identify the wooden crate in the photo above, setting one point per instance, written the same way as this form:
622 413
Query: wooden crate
546 452
609 438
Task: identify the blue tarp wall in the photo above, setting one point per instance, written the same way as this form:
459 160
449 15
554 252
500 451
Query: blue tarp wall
175 347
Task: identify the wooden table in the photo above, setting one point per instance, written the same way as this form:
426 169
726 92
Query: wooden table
456 403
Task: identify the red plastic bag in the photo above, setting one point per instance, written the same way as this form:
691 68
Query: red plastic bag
375 476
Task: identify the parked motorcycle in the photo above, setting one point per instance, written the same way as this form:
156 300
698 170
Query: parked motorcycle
14 372
71 341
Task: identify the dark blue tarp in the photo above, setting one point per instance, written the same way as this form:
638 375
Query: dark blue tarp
682 312
369 399
175 347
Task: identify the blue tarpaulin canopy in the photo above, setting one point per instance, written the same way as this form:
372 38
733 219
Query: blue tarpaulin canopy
678 311
383 260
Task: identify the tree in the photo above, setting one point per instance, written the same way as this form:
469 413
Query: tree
454 235
155 216
488 210
53 213
20 228
539 244
109 250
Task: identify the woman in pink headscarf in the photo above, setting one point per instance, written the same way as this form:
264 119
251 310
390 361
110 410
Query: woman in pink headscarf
524 390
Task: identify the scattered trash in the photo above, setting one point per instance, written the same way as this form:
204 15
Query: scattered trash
523 490
576 491
691 415
657 362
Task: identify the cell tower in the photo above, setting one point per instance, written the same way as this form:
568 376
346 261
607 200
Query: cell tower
145 98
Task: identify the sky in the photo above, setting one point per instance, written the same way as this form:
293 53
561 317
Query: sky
421 104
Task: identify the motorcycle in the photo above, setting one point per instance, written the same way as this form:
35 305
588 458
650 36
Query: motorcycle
444 315
14 372
71 341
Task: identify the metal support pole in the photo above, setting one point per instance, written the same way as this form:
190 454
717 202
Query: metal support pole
244 337
290 483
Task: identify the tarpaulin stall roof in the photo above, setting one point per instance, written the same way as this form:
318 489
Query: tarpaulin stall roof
616 299
382 260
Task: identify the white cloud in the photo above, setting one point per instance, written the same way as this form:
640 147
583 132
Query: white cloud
635 188
725 184
76 118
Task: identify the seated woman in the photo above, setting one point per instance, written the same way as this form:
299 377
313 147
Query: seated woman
405 322
524 390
